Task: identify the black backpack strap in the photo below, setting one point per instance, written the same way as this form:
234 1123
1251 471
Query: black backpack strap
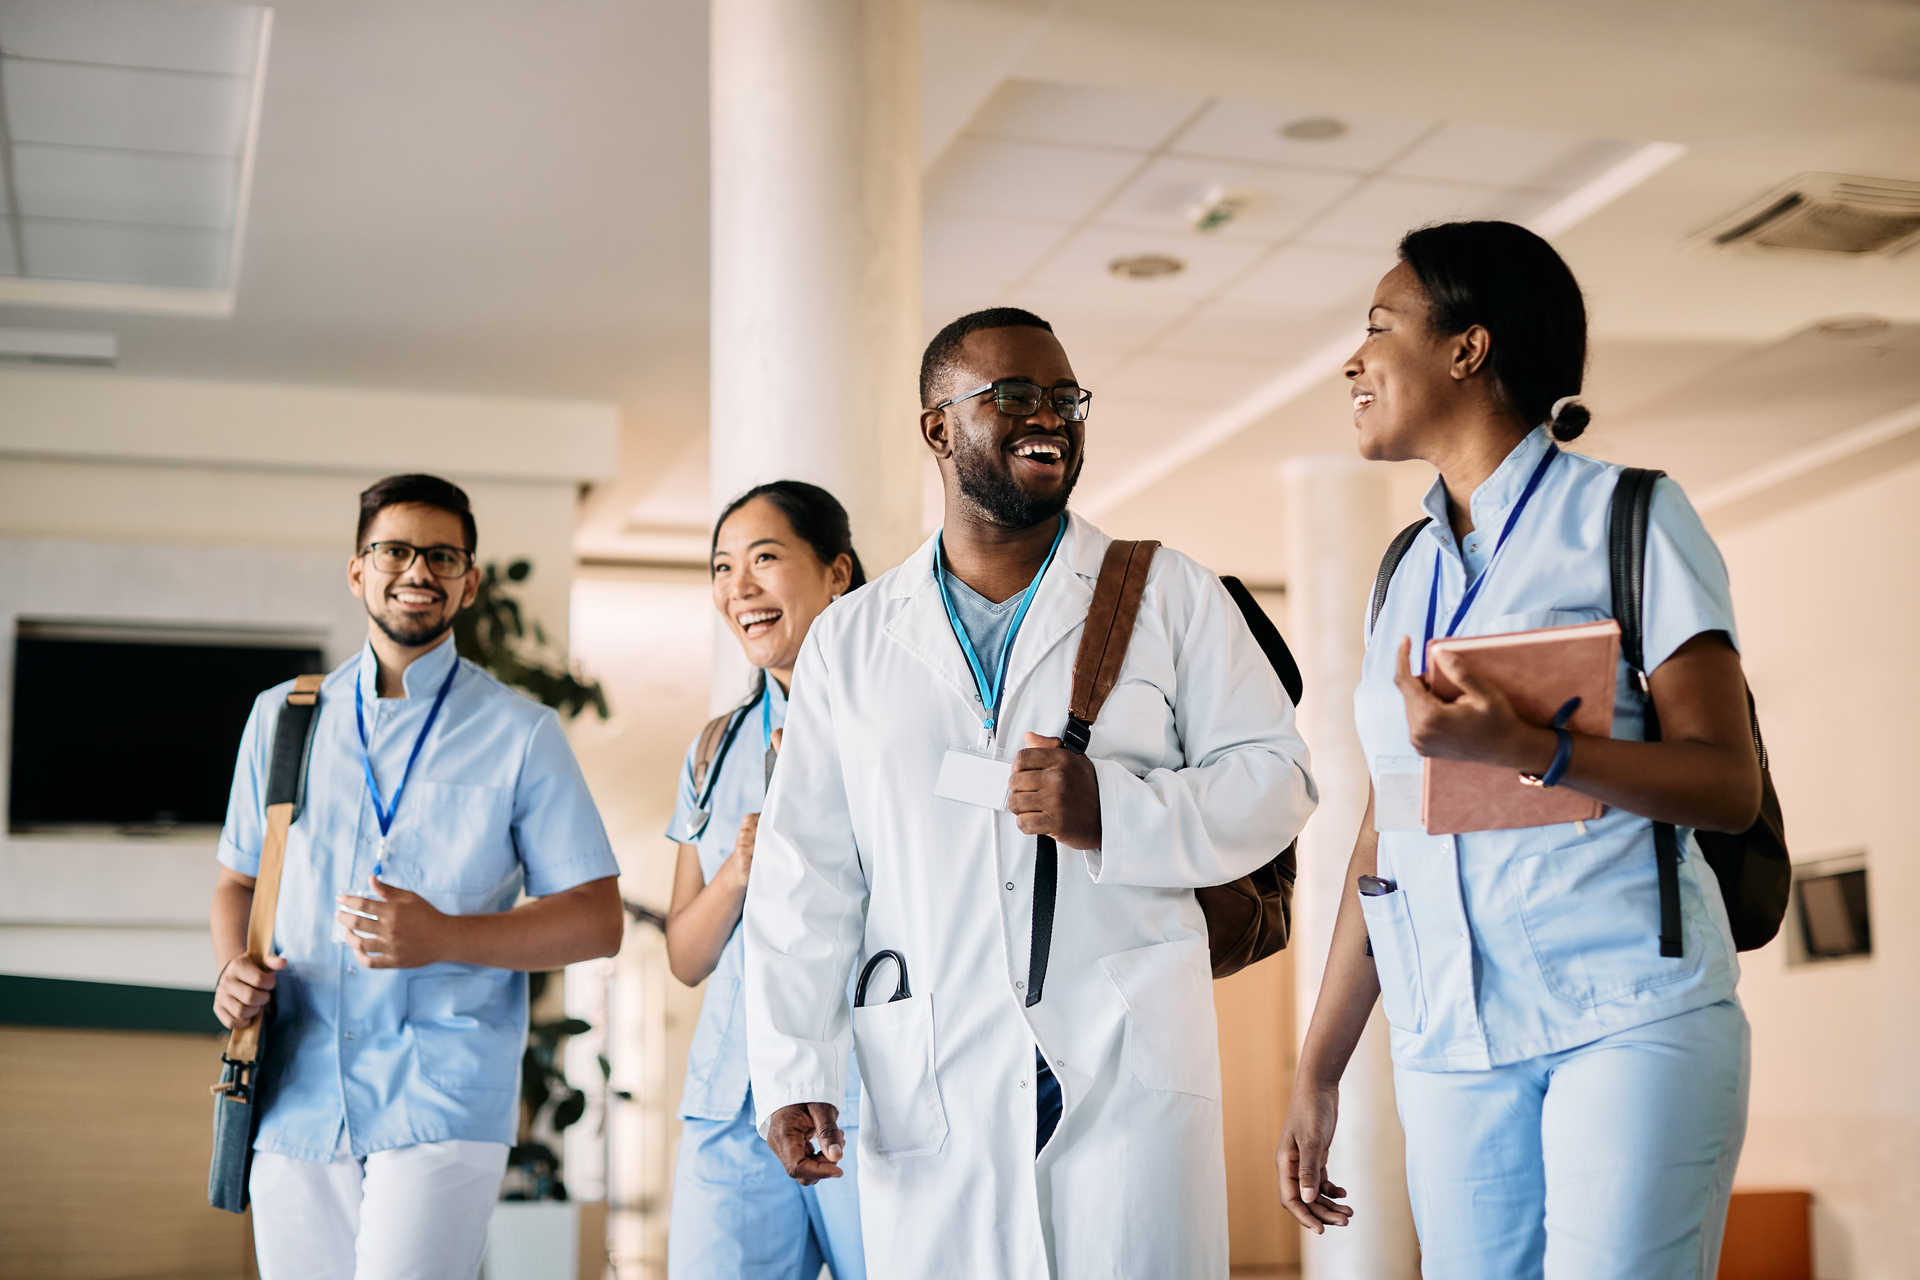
1396 552
1268 637
1627 520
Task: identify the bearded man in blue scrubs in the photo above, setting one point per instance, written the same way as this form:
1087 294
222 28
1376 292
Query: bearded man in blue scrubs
435 795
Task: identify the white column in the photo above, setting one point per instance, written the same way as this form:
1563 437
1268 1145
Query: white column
1336 527
816 263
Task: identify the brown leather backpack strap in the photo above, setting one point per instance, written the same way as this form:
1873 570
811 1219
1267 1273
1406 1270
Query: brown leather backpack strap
709 746
243 1043
1109 632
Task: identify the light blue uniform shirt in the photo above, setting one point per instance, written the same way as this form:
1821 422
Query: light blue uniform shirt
716 1084
1500 946
496 804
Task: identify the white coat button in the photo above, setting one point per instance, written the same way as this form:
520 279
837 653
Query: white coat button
349 1035
1009 886
1019 986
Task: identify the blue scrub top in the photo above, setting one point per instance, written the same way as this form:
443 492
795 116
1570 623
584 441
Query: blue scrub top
496 804
716 1084
1504 945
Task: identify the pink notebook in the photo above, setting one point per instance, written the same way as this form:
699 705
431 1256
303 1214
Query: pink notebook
1539 671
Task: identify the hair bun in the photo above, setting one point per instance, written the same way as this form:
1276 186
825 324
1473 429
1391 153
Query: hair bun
1570 418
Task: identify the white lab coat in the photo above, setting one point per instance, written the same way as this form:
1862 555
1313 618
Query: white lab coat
1202 779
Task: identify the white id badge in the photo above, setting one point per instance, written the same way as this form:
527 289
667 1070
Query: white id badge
1396 793
974 775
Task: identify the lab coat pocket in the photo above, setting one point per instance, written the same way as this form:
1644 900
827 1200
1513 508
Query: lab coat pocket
1136 729
460 1037
893 1043
1396 958
1172 1038
1591 911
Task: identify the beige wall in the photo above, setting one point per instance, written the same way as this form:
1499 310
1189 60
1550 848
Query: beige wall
1826 605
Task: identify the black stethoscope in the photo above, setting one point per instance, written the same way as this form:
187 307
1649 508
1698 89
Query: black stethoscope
900 989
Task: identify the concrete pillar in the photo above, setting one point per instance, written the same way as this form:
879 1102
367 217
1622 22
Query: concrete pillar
816 262
1336 511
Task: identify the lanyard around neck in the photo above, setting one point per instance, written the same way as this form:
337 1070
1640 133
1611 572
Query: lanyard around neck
1473 588
385 816
990 694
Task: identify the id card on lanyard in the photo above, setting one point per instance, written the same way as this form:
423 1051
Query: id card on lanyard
980 774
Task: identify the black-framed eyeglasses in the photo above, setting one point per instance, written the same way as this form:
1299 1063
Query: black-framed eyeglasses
398 557
1018 398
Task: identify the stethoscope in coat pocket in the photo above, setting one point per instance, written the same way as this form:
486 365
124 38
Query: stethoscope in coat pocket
900 989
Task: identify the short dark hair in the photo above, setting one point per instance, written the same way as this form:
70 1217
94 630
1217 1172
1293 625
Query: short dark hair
1510 281
943 353
817 518
416 490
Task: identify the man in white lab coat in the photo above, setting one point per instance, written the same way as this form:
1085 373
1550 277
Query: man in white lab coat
920 762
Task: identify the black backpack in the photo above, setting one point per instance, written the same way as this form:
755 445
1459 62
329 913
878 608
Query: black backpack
1753 866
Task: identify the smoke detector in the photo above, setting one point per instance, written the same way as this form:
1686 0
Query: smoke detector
1146 266
1825 213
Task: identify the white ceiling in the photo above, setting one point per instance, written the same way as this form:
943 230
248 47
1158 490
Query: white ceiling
129 135
493 197
1050 183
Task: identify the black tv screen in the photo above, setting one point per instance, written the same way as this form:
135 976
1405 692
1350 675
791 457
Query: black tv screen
134 733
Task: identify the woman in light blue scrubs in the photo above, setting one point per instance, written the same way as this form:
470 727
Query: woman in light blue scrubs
1574 1100
782 552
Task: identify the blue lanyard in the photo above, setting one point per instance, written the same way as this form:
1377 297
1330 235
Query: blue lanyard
1473 588
385 816
990 695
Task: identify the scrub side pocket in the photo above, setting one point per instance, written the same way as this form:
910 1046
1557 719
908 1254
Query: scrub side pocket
893 1042
1396 958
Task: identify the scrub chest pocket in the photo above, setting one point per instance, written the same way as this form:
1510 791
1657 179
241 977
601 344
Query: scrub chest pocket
903 1114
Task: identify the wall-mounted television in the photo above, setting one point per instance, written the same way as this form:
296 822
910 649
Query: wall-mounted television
134 727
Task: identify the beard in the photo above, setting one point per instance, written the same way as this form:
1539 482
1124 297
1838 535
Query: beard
998 497
414 633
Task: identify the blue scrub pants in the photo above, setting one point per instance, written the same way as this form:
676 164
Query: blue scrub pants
737 1215
1612 1161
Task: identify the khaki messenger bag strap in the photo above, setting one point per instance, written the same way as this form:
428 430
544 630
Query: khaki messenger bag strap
243 1044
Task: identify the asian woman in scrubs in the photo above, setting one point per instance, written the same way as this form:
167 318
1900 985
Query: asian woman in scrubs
1573 1100
781 554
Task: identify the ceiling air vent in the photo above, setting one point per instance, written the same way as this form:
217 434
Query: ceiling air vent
1826 213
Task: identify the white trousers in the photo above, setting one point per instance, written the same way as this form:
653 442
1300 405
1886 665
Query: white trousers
412 1213
1612 1161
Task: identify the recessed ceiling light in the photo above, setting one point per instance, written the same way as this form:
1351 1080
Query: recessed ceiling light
59 346
1861 326
1315 129
1146 266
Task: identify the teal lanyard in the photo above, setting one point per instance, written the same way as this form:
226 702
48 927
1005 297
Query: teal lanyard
990 694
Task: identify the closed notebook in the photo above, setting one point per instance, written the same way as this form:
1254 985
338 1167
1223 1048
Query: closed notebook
1538 671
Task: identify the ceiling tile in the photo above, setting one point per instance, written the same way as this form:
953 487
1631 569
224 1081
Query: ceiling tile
218 38
1303 279
1023 180
118 107
1195 382
1243 129
1510 157
1280 201
1082 265
125 186
1101 323
968 255
1385 209
125 255
1242 330
1034 111
1130 425
9 265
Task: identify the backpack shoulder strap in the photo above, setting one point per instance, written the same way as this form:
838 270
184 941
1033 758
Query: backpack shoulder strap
1268 637
1627 519
711 746
1396 552
1109 631
286 787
